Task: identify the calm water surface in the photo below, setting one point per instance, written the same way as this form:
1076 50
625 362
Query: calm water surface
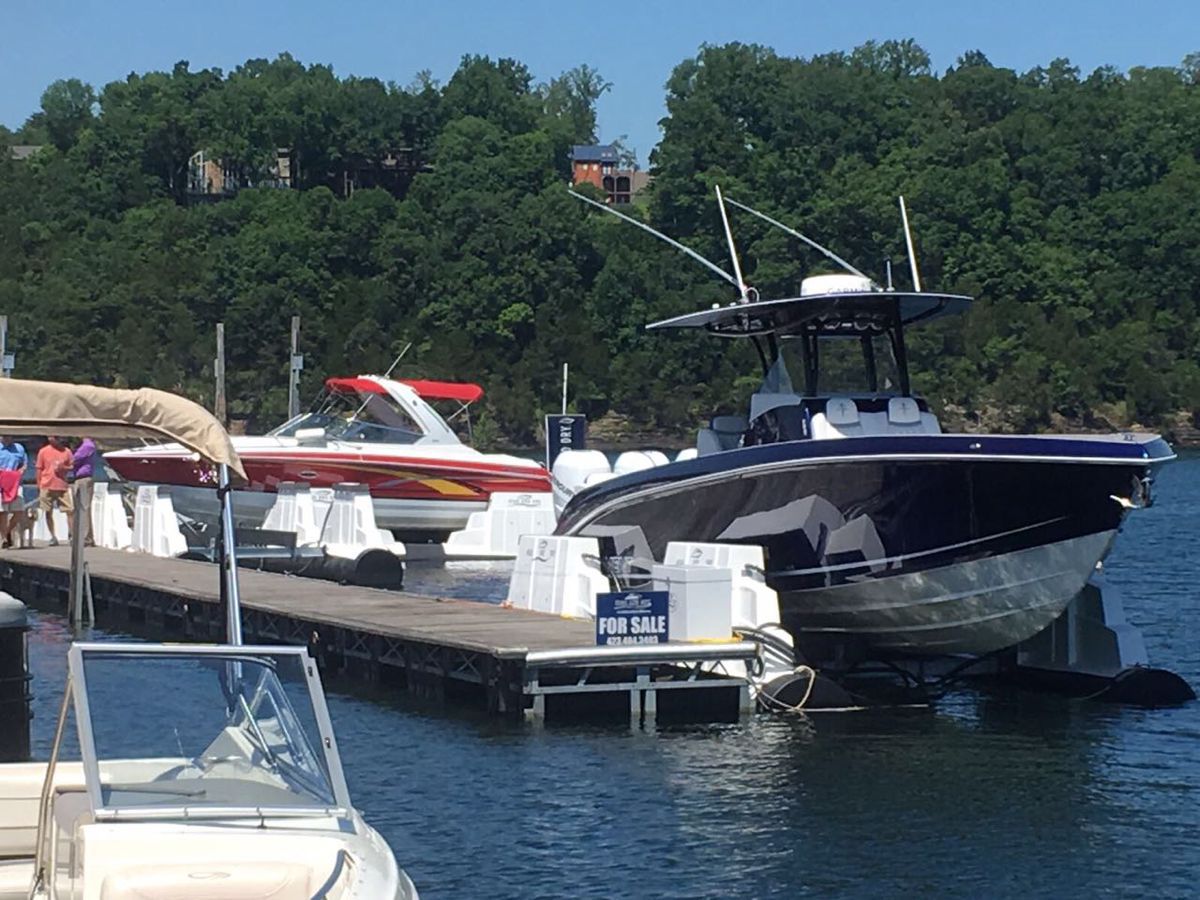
989 795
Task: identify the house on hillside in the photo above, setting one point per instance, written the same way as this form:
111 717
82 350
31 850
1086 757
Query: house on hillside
23 151
597 164
210 178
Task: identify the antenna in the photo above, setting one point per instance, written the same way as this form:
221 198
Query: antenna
912 254
737 266
889 275
662 237
794 233
396 361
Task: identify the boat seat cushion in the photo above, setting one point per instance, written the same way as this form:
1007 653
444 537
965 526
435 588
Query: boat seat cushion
708 441
903 411
840 411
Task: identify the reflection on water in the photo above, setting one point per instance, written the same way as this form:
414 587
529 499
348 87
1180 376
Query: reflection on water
991 795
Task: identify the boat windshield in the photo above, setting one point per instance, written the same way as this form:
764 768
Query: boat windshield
356 417
846 365
234 730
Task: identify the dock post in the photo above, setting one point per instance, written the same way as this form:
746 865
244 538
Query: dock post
219 376
648 694
745 701
87 592
295 365
75 592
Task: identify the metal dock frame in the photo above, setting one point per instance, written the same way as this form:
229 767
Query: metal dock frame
646 661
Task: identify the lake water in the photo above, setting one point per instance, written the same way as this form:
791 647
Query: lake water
1006 794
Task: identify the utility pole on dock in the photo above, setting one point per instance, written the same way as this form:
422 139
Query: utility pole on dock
219 375
295 367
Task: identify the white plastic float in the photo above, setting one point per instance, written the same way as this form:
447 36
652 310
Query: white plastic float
558 575
155 525
110 524
350 530
496 532
295 511
715 589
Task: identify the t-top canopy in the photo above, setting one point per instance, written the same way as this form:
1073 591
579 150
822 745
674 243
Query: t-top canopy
830 315
83 410
432 390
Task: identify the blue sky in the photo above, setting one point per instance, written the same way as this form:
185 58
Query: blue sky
633 45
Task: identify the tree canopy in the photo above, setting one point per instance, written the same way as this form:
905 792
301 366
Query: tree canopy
1065 203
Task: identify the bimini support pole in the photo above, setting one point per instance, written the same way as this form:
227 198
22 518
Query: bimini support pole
228 559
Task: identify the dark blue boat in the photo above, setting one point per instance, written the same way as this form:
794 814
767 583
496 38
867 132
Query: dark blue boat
878 527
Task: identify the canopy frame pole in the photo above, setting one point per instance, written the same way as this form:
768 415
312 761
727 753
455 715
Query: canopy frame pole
227 558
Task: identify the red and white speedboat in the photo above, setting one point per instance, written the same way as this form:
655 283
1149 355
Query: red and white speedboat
371 430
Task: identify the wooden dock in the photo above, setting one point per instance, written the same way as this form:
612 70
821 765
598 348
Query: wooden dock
504 660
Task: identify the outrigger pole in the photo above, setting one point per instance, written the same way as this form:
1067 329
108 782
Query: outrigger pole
912 254
796 234
736 282
737 266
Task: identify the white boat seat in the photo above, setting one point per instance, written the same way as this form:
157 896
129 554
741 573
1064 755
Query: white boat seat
903 411
708 441
904 415
839 419
730 429
841 411
723 433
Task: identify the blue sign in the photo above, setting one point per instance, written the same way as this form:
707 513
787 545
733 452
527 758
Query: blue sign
564 433
632 617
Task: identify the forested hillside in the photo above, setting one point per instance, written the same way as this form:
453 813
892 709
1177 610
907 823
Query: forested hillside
1066 202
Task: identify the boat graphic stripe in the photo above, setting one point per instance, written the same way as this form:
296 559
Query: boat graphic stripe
888 560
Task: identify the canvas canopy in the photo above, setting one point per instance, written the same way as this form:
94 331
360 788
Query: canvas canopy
81 410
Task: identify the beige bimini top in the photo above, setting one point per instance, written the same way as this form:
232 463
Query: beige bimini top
82 410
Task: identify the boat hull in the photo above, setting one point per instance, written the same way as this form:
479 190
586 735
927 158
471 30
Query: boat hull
406 518
416 495
927 546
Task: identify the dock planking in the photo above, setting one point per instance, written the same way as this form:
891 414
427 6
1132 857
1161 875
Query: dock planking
438 648
465 624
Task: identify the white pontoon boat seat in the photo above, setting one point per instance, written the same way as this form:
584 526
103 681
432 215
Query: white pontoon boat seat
723 433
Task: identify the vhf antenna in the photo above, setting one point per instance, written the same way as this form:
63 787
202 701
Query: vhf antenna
736 282
794 233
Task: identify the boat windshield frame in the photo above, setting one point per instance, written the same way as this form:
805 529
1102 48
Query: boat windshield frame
322 743
338 412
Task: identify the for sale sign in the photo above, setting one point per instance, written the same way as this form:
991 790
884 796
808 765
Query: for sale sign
632 617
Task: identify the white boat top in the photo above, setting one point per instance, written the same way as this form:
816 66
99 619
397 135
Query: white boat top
368 416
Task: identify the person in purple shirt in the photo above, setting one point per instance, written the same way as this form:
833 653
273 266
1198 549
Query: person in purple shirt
83 465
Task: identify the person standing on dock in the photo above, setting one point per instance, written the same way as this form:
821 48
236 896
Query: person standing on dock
53 464
13 462
84 465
